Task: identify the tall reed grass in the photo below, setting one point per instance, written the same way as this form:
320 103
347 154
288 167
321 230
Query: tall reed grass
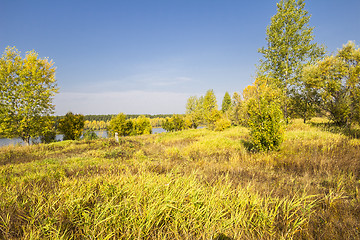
194 184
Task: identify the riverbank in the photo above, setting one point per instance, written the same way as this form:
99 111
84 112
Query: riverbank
59 137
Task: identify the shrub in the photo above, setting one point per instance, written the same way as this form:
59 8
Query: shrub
141 126
213 118
175 123
90 135
265 119
72 126
168 125
48 137
222 124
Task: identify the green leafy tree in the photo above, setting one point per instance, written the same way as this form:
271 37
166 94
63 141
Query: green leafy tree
226 103
335 81
289 48
128 128
209 104
119 125
49 130
175 123
301 106
236 113
189 123
213 118
168 125
194 111
179 122
72 126
27 87
265 117
142 126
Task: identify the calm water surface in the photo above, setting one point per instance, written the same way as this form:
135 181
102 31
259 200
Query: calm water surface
59 137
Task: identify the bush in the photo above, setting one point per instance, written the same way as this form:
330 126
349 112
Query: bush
222 124
72 126
265 119
48 137
90 135
175 123
213 118
142 126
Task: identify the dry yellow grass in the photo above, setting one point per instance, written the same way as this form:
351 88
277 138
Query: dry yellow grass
194 184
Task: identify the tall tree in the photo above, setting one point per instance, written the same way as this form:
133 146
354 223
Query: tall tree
118 125
336 84
27 87
209 105
194 111
210 101
226 103
236 115
289 48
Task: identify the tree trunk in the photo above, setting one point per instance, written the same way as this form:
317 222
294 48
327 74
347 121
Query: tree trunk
305 111
26 140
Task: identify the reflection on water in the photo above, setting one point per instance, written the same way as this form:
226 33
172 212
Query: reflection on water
19 141
59 137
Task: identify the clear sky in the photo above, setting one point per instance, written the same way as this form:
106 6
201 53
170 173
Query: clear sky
149 56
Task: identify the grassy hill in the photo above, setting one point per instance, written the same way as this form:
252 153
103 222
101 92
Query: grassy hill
194 184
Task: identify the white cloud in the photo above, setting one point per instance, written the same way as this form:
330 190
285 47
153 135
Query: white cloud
130 102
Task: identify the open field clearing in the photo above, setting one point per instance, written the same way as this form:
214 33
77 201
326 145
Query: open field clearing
193 184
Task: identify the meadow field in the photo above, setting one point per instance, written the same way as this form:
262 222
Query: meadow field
192 184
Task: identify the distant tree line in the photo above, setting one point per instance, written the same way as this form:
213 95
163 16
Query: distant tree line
98 118
108 117
101 122
150 116
95 125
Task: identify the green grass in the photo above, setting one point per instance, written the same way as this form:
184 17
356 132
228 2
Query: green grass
194 184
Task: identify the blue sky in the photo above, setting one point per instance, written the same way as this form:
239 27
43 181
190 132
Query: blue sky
149 56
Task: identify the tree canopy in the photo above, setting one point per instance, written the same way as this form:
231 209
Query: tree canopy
27 87
336 85
289 48
209 106
226 103
72 126
194 111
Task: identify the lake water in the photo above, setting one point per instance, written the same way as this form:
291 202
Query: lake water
59 137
